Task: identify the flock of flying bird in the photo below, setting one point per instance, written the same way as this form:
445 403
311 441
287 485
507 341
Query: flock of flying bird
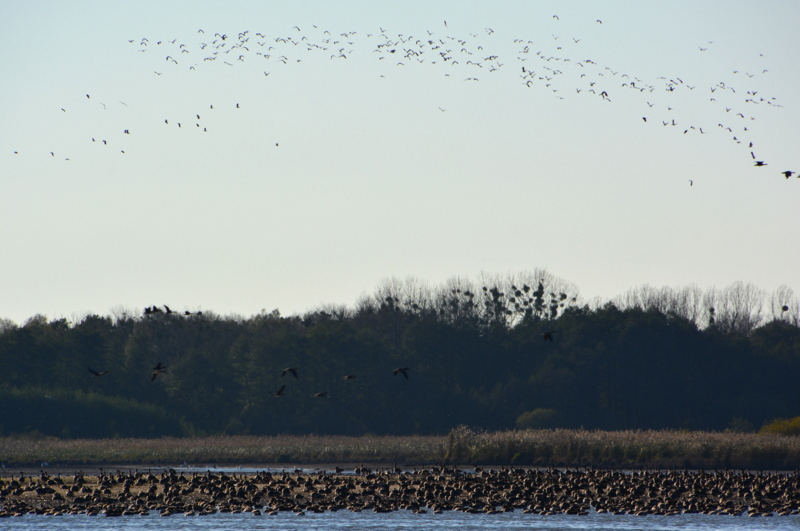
557 64
324 394
160 368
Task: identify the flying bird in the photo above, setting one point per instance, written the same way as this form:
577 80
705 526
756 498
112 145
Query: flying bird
323 394
348 377
279 393
401 370
95 373
158 369
292 370
787 173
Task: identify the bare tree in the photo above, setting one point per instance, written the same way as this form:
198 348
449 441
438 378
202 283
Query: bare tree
456 301
784 306
739 308
416 296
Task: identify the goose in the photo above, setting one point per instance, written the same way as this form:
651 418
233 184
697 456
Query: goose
401 370
158 369
95 373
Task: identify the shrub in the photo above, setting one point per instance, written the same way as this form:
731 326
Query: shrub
782 427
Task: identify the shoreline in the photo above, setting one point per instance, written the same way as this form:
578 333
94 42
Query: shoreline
252 469
623 450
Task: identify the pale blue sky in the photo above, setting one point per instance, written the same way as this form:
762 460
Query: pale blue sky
385 169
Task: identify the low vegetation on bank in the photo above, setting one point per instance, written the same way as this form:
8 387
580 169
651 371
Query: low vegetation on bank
462 446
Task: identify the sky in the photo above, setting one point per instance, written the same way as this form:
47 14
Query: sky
324 147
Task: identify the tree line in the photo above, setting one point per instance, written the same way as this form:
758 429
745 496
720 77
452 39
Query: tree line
497 353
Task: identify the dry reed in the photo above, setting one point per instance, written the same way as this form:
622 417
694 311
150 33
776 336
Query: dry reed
565 448
626 449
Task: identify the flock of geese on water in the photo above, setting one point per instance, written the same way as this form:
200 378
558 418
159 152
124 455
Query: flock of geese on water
556 64
437 489
160 368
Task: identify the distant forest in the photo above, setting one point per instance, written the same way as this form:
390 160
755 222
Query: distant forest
519 351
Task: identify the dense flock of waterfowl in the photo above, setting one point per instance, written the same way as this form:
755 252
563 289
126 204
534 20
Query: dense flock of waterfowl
554 62
544 492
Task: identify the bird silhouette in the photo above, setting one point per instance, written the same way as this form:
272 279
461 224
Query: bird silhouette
95 373
158 369
348 377
292 370
323 394
787 173
401 370
279 392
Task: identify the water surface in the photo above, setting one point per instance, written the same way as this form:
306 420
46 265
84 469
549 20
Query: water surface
400 520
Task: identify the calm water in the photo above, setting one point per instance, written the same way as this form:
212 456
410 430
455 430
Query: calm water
400 520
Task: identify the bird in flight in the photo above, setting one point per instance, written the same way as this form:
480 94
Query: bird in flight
401 370
323 394
95 373
158 369
348 377
691 182
760 163
292 370
787 173
279 392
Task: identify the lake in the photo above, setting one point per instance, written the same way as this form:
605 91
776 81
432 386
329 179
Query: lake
400 520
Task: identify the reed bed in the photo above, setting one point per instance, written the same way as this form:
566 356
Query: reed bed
540 448
310 449
626 449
